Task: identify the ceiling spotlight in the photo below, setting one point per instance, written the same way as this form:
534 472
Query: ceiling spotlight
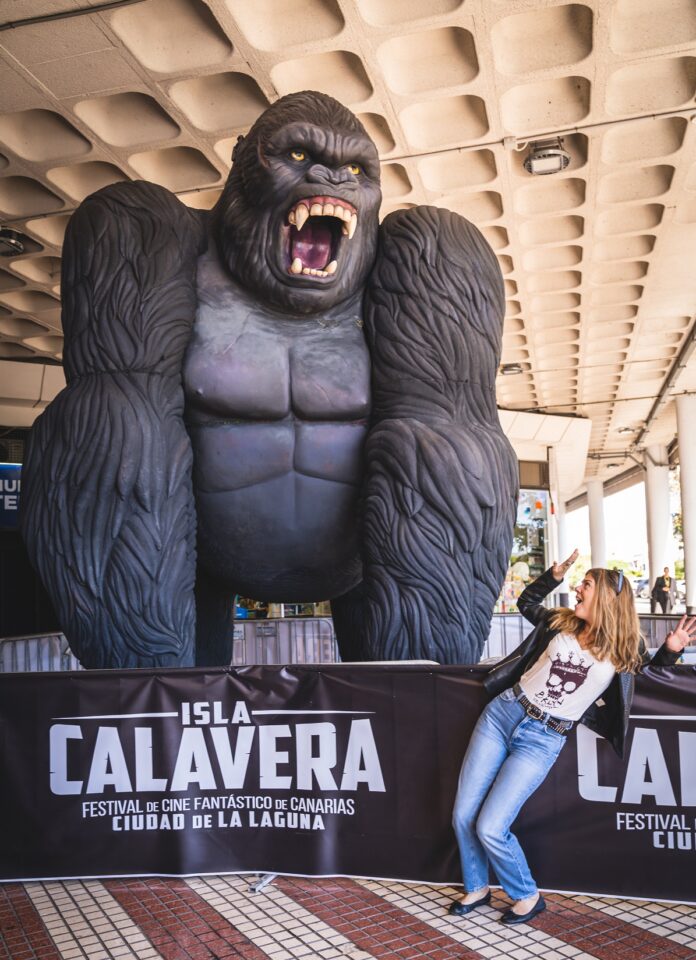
11 242
509 369
612 466
546 156
625 430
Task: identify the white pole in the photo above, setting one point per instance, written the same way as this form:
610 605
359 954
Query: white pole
563 547
686 433
659 519
598 537
559 537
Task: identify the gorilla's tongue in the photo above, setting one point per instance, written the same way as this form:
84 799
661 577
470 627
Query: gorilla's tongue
312 244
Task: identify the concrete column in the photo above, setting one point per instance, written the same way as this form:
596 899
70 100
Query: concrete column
659 519
598 536
562 546
558 539
686 434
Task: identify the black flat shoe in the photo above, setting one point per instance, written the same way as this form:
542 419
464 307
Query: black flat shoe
459 909
509 917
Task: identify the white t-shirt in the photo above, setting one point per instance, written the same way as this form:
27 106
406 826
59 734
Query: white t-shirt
566 679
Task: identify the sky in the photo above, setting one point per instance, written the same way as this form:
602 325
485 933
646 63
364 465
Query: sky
626 530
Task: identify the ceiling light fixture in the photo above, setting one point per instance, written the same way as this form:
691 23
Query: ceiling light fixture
546 156
625 430
11 242
509 369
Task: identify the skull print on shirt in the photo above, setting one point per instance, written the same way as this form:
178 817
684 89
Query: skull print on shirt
565 677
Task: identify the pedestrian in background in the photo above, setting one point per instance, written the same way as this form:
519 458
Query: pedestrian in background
664 593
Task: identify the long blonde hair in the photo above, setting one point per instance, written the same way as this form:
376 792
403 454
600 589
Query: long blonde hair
615 630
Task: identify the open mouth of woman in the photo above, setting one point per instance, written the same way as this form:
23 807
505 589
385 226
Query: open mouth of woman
318 227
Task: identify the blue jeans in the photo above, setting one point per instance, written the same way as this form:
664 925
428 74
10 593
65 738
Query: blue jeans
508 757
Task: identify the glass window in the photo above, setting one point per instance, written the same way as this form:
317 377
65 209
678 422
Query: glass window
528 558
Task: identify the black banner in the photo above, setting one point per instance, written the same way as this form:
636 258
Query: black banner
347 769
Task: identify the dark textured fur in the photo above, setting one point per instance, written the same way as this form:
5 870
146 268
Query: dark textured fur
107 503
442 478
108 507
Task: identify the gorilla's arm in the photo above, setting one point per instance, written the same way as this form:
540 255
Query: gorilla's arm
107 505
441 487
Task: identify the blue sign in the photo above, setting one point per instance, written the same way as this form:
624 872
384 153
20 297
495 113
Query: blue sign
10 482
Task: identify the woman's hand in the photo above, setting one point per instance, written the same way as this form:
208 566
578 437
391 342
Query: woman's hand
559 570
682 635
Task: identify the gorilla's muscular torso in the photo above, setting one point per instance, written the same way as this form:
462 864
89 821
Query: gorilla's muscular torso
276 408
275 370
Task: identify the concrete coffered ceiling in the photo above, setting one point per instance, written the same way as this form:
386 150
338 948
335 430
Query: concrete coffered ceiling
598 260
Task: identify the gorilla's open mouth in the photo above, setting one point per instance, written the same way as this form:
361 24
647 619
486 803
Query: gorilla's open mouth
317 227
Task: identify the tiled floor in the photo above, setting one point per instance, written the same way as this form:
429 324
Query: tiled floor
212 918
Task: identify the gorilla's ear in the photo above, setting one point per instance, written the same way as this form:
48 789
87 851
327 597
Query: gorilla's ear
236 147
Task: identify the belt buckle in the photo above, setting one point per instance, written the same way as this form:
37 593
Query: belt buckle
536 713
560 726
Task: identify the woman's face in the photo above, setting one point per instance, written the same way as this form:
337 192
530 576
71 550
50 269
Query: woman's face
584 596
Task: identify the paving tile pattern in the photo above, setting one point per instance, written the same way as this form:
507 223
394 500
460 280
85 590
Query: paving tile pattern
83 920
274 921
179 923
23 934
380 928
604 936
295 918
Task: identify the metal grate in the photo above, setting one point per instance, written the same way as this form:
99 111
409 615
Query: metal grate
11 450
305 640
37 653
289 640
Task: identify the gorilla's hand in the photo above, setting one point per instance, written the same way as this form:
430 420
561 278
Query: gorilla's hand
297 222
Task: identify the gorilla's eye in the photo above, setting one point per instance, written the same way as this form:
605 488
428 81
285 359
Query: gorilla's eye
355 169
298 155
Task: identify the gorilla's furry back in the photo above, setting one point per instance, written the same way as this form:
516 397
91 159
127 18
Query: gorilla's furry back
442 479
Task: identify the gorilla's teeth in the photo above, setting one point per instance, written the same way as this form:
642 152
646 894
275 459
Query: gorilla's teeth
296 265
332 267
311 272
301 215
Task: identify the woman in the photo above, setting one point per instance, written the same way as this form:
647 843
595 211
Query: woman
575 666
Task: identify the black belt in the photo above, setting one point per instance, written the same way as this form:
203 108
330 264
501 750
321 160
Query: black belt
536 713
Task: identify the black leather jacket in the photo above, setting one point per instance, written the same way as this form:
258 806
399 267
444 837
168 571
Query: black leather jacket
610 719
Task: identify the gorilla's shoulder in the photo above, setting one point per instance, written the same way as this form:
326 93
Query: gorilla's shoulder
435 230
128 201
440 248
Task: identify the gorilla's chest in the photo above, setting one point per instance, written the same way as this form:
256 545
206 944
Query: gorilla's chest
276 408
246 363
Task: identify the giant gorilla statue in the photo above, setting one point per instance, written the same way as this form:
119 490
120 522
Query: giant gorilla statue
280 399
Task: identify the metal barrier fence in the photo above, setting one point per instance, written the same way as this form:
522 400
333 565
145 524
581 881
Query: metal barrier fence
293 640
508 630
302 640
30 654
286 640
